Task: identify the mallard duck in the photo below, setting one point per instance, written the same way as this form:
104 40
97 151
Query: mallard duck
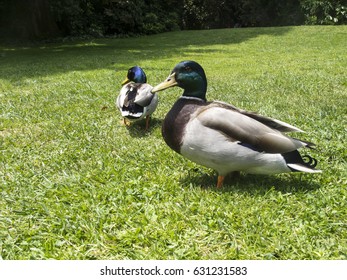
222 137
135 100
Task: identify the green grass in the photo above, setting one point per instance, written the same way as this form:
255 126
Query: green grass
76 184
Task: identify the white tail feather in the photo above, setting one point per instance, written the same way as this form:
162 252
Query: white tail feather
302 168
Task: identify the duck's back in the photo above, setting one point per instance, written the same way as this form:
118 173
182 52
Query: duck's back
134 99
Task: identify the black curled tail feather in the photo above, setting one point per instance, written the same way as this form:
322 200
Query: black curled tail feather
309 161
294 159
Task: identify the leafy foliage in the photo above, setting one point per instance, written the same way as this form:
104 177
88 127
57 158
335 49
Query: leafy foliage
324 12
220 13
98 18
109 17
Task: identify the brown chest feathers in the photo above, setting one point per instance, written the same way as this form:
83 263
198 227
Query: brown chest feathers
175 122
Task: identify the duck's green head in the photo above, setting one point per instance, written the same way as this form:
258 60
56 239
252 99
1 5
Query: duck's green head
188 75
136 75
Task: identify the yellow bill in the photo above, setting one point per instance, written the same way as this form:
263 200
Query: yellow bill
169 82
125 81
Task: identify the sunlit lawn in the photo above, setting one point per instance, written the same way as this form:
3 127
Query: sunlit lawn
77 184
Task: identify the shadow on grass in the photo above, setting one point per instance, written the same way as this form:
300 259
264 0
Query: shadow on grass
254 184
137 129
19 62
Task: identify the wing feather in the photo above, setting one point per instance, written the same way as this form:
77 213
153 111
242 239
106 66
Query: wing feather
270 122
144 95
247 130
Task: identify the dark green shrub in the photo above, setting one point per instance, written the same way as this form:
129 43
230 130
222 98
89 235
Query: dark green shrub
324 12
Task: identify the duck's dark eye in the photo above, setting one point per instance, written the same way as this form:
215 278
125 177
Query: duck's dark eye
188 69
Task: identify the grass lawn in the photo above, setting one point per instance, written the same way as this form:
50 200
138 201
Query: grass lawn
77 184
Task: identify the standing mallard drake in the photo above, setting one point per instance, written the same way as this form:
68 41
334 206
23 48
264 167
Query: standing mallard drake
135 100
223 137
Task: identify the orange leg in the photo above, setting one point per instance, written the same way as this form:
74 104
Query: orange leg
125 121
148 118
220 181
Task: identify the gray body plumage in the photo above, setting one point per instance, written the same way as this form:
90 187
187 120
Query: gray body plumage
227 139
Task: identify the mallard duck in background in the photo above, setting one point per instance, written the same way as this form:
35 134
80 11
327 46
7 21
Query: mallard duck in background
135 100
225 138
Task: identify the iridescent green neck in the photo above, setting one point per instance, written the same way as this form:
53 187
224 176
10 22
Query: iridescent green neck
194 85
